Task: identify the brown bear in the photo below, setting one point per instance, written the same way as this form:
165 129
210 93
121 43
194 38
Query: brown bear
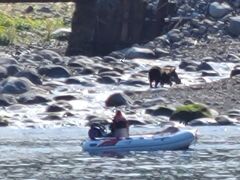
164 75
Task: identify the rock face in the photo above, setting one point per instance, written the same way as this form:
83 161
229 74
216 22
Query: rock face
101 26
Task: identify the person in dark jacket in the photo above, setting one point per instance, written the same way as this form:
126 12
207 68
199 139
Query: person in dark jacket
120 126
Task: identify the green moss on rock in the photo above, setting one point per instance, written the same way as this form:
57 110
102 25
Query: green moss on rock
189 112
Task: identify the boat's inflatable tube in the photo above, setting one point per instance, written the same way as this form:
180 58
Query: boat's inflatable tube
177 141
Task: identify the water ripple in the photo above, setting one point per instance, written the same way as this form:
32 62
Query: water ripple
57 154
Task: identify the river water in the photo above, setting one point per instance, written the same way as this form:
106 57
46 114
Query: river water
55 153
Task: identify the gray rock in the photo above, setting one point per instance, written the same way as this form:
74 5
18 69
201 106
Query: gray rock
13 69
85 71
114 55
13 85
107 80
119 70
32 98
118 99
45 10
210 73
31 75
3 72
234 25
102 69
203 122
185 63
161 52
73 81
76 63
108 59
61 34
65 97
7 100
204 66
50 55
53 117
59 106
77 81
29 9
138 52
54 71
7 60
208 22
190 68
174 35
225 120
219 10
199 31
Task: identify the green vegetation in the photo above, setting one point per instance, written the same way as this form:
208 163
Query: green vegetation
189 112
20 26
194 108
24 29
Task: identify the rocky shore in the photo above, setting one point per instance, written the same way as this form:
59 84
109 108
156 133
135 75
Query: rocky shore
222 95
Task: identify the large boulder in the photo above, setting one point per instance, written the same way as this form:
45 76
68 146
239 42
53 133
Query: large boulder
31 75
138 52
189 112
219 10
13 69
118 99
54 71
50 55
14 85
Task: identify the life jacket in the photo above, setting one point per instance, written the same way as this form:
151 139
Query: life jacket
119 126
119 121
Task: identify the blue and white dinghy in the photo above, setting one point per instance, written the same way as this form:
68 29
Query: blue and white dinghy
180 140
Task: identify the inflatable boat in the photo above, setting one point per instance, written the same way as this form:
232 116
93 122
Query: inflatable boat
178 141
